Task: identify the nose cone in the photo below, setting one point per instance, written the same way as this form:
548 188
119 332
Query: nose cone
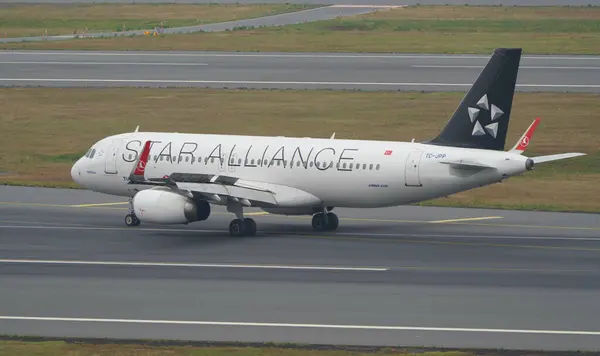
76 172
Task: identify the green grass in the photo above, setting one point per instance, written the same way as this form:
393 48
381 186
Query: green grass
35 20
428 29
45 129
60 348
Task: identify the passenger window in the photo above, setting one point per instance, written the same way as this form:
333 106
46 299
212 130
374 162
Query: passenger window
377 167
371 166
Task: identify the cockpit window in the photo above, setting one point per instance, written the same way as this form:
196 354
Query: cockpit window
93 153
87 154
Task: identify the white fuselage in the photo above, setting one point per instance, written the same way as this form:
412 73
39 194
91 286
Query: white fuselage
341 173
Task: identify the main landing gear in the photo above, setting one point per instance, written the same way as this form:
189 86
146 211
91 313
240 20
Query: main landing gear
131 219
325 221
240 226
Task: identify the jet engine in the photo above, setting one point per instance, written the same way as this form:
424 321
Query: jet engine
163 206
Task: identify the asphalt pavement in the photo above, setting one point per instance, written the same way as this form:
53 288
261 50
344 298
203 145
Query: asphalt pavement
399 276
334 2
427 72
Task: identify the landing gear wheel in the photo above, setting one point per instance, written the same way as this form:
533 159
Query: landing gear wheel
250 227
318 221
237 228
333 221
131 220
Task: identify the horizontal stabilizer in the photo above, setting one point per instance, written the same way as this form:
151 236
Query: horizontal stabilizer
467 164
556 157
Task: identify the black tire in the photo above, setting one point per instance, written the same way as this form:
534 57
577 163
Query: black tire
318 221
131 220
237 228
333 221
250 226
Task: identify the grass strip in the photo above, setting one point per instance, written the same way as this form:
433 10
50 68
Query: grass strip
46 129
426 29
34 20
156 348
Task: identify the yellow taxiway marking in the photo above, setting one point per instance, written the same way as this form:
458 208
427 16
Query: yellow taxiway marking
97 204
465 219
257 213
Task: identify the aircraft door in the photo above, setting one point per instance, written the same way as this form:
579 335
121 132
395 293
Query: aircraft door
411 173
110 162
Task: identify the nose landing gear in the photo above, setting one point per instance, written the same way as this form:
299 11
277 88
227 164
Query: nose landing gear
131 219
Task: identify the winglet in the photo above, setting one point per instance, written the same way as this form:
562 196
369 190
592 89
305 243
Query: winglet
140 166
525 139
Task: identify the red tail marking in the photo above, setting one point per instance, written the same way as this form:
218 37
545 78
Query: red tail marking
141 166
527 137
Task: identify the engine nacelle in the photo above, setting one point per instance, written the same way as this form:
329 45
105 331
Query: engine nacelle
161 206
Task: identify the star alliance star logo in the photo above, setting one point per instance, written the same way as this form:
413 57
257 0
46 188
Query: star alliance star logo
495 113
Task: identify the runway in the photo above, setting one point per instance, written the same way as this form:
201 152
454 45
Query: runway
401 276
423 72
334 2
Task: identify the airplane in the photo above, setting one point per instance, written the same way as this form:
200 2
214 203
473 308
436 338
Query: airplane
174 178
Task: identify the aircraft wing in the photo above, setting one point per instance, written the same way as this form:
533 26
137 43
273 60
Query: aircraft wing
215 187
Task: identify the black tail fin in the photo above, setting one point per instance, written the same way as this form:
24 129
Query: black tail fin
481 120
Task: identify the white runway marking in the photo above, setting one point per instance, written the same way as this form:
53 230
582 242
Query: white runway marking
195 265
286 55
105 63
313 326
242 82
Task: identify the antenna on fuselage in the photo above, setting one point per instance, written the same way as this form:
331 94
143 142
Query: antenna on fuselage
137 128
332 136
